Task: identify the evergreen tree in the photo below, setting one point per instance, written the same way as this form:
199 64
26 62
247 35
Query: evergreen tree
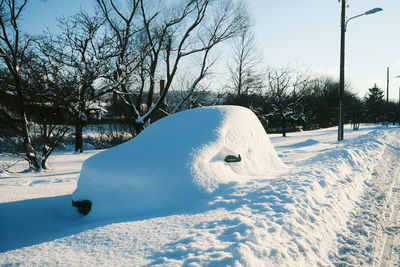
375 104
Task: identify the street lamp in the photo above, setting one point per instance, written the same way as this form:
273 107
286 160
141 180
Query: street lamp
399 88
342 53
372 11
387 95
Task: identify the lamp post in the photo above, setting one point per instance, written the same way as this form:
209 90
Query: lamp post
387 97
399 89
399 93
343 24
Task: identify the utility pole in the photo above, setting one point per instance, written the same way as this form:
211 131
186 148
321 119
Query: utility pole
343 26
387 97
341 82
387 85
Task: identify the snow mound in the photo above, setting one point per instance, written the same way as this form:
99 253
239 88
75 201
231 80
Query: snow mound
177 161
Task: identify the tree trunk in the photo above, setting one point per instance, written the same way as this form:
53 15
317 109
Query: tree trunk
44 164
31 154
79 137
30 151
139 127
284 127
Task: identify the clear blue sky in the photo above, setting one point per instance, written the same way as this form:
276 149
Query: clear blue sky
304 34
42 14
307 34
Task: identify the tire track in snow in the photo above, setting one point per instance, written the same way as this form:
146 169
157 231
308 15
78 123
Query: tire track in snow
391 245
370 238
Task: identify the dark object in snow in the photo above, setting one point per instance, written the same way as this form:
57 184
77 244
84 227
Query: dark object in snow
83 206
232 158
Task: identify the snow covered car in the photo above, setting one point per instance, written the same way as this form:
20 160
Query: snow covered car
175 162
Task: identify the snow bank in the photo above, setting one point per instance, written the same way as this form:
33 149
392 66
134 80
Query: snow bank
333 207
177 161
301 218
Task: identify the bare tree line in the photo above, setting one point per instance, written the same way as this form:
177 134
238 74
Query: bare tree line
52 82
287 99
57 80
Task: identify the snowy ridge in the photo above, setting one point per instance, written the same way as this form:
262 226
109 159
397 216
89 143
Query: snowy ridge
294 220
363 242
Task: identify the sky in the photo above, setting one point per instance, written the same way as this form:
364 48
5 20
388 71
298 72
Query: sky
306 34
303 34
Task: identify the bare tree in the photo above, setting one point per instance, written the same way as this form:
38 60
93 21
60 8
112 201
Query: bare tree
246 74
196 92
285 93
46 107
173 34
13 49
29 107
130 49
83 53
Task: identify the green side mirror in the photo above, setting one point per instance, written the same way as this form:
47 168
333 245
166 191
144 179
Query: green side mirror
232 158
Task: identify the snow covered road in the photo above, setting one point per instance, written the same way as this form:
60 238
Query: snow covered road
369 236
390 255
337 204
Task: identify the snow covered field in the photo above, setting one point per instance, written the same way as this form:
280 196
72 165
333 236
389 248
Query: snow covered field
334 204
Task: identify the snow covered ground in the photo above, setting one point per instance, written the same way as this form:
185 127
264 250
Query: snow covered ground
334 204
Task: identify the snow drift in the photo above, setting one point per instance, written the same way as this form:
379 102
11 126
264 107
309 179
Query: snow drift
177 161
